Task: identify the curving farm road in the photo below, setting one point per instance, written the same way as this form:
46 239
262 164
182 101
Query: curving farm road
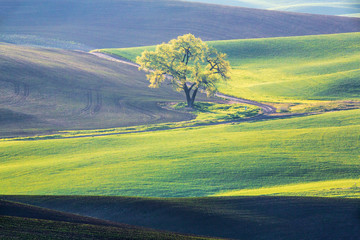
266 109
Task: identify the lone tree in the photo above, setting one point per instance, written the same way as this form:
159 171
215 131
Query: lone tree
188 63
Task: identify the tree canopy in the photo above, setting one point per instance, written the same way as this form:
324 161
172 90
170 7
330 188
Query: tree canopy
189 64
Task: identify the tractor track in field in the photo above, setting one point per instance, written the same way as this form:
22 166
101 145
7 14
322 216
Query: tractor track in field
99 103
20 92
90 102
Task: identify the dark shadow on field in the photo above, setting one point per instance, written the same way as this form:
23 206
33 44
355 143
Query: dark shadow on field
23 221
230 217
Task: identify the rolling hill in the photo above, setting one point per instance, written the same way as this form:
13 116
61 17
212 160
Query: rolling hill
205 171
230 217
22 221
326 7
80 24
320 150
47 90
324 67
293 69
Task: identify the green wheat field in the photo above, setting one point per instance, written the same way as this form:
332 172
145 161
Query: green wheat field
89 151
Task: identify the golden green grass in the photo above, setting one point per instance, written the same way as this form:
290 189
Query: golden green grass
324 67
337 188
197 161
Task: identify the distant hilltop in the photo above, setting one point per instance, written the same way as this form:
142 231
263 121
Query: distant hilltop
85 25
325 7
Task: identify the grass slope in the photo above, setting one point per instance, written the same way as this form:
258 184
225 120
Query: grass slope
324 67
335 188
81 24
231 217
20 221
198 161
320 67
50 89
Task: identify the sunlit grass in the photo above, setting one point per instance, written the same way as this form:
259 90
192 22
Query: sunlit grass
337 188
211 112
197 161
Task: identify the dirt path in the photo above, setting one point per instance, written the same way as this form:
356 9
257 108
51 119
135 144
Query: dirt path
110 58
267 109
259 117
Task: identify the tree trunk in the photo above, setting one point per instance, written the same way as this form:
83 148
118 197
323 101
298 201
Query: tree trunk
187 94
193 97
190 99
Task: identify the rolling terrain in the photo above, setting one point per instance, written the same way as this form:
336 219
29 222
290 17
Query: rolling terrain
326 7
229 217
324 67
22 221
47 90
289 69
80 24
208 171
321 150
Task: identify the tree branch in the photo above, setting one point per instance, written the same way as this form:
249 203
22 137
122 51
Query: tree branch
192 86
212 64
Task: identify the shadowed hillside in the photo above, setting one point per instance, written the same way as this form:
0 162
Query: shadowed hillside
231 217
49 89
86 25
20 221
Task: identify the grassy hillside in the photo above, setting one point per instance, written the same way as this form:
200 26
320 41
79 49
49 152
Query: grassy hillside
50 89
198 161
327 7
231 217
298 68
81 24
320 67
20 221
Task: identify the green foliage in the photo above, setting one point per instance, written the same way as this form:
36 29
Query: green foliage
197 161
187 60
